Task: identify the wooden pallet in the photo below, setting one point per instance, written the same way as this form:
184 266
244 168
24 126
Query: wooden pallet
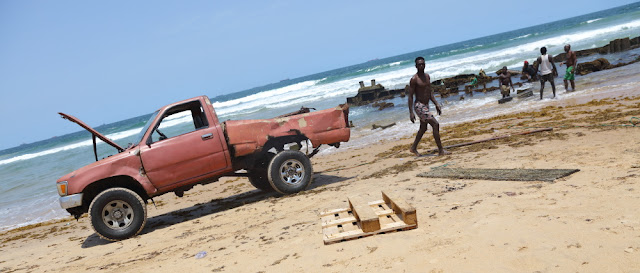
364 219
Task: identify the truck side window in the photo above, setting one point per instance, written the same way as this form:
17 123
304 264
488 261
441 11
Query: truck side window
179 120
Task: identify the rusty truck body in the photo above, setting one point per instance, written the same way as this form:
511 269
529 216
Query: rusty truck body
184 144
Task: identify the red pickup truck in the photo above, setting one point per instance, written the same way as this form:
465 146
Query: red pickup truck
184 144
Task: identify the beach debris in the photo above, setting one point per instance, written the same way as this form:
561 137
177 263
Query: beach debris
548 175
376 126
201 254
523 93
362 218
382 105
375 92
303 110
505 99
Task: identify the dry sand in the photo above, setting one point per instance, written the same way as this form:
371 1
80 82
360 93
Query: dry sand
586 222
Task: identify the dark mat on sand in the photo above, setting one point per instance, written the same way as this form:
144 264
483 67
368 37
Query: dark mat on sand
499 174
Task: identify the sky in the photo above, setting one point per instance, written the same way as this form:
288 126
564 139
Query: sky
106 61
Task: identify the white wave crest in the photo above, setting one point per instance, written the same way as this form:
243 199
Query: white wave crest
114 136
520 37
594 20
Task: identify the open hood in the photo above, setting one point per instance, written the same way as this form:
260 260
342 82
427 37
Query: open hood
92 131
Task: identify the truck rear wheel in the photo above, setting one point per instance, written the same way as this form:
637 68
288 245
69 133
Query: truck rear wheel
258 179
290 172
118 214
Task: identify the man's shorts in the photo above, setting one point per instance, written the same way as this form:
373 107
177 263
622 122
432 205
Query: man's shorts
546 78
504 90
569 75
422 111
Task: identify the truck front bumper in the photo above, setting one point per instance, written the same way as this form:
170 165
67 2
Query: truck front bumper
71 201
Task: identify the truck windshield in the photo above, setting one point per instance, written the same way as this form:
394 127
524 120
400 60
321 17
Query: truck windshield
146 126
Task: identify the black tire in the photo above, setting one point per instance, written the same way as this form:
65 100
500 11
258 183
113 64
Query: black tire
117 214
258 179
290 172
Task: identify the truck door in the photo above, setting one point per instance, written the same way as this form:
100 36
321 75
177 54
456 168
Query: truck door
183 147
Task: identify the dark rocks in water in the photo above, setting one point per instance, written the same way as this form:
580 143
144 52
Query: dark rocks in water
440 89
455 81
614 46
581 53
382 105
593 66
623 64
619 45
376 126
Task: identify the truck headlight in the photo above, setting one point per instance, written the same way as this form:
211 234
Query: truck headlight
62 188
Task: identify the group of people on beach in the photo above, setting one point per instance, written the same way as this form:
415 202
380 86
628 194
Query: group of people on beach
547 70
420 88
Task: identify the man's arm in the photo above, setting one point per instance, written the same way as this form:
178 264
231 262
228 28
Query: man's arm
433 98
555 70
412 91
511 83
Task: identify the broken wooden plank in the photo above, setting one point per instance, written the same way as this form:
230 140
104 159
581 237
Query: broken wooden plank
333 211
364 214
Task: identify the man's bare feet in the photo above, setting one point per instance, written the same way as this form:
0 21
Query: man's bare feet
444 152
414 151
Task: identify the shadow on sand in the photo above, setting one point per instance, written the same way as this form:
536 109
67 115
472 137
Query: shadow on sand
214 206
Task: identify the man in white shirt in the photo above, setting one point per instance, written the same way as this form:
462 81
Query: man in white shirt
547 70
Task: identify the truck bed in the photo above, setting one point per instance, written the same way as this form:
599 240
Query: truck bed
327 126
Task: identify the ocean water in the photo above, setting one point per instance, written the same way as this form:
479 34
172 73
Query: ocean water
28 172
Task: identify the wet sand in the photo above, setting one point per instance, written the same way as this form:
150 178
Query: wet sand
586 222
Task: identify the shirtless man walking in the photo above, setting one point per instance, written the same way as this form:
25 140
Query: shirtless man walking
571 67
420 85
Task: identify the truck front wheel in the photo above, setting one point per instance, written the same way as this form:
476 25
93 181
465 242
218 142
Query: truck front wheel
290 172
118 214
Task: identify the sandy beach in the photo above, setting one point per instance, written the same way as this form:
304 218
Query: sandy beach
586 222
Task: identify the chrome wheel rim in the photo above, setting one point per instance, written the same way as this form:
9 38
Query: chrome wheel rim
117 214
292 172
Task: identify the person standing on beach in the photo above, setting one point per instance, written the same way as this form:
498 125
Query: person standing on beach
528 71
547 70
483 78
571 67
420 86
505 81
